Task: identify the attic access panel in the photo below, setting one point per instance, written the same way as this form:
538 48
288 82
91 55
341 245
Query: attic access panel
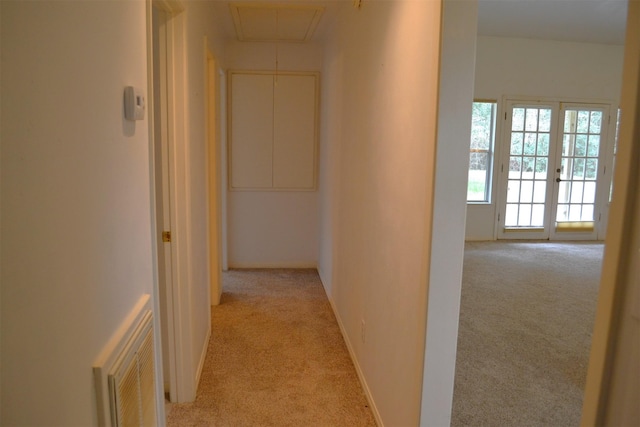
271 23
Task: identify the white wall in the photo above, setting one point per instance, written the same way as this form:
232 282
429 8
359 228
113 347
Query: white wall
275 228
76 223
380 89
457 61
542 68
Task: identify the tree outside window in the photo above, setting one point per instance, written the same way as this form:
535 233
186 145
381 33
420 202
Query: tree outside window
483 123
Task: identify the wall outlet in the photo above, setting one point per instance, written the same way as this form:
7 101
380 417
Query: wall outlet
362 331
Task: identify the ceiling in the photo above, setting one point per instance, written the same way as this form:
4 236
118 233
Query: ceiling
591 21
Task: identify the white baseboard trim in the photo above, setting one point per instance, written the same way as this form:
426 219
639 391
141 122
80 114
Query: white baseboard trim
363 381
247 265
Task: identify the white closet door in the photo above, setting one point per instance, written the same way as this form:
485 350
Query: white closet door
294 132
251 131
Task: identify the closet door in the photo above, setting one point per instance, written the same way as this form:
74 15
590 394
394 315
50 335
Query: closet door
294 118
251 131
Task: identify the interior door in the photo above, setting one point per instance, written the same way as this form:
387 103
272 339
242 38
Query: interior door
551 170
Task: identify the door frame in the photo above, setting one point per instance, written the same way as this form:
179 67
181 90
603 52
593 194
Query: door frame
214 166
177 328
620 255
502 152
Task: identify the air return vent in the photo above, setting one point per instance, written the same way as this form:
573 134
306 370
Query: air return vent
125 375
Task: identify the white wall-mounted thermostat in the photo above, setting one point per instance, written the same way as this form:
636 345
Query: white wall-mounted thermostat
133 103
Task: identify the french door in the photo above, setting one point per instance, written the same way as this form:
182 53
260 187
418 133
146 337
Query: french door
549 176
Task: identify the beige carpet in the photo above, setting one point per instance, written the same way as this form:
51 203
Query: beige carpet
276 358
526 318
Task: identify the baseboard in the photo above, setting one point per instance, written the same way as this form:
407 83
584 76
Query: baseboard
248 265
203 356
352 354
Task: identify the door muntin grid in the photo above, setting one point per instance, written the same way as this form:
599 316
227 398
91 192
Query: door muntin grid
578 169
528 170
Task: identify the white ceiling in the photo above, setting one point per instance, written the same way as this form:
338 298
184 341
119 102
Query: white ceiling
592 21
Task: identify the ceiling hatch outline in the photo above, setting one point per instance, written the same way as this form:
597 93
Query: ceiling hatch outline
260 22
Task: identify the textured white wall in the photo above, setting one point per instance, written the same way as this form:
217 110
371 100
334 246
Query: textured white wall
381 78
76 230
525 67
273 229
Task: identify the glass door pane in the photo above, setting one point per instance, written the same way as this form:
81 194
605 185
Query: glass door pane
583 134
528 167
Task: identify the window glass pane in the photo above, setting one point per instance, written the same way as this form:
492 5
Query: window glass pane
539 192
562 213
541 168
476 189
537 216
569 121
587 213
594 146
516 143
517 121
581 145
528 165
531 121
481 151
524 216
576 192
526 192
583 122
511 215
592 169
513 192
575 212
596 122
567 145
544 120
530 144
543 144
515 165
564 191
589 192
578 169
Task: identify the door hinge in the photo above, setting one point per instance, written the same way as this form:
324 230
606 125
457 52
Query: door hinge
502 168
166 236
498 217
505 115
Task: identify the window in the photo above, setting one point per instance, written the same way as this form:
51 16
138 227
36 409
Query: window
483 126
615 151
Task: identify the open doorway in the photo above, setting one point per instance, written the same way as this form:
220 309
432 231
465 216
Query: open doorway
524 75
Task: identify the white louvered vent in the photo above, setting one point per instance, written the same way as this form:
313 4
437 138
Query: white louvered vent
125 374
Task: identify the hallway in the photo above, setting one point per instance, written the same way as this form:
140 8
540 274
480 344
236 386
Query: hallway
276 357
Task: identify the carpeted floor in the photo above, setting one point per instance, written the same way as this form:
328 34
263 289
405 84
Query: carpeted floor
526 317
276 358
